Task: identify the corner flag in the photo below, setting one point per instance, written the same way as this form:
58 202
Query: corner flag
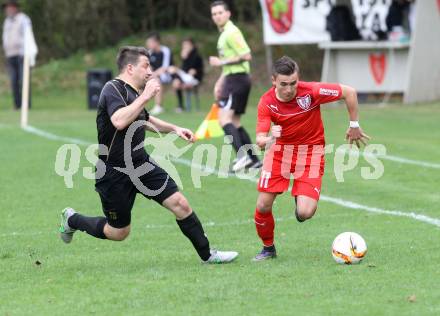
210 126
30 54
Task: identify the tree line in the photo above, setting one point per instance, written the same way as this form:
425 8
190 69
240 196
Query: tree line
62 27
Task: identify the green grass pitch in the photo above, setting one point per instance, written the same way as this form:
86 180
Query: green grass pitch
156 271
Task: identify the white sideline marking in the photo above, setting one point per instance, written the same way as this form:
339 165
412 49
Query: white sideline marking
353 205
407 161
212 224
395 158
51 136
337 201
13 234
156 226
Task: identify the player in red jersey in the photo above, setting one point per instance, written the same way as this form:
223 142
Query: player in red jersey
290 111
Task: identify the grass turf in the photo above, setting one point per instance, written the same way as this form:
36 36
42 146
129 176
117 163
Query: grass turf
156 271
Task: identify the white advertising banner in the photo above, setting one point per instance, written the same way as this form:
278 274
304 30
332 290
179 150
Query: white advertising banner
371 17
304 21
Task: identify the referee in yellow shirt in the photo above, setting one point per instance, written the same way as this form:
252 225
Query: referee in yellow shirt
233 87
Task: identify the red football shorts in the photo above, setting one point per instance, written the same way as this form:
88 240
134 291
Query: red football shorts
304 164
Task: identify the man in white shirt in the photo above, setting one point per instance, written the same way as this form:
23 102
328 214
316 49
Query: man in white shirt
14 28
160 59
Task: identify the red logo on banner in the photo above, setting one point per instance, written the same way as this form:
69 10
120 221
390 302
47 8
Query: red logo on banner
280 14
378 64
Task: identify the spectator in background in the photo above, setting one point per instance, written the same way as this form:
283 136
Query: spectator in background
160 59
398 23
14 28
340 22
191 73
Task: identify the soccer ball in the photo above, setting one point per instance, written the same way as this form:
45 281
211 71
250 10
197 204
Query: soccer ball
349 248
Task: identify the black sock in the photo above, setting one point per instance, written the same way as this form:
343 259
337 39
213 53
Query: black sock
270 248
231 130
91 225
299 219
180 98
246 140
193 230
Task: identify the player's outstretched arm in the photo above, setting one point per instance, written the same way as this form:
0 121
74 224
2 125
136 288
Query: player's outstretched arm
354 132
165 127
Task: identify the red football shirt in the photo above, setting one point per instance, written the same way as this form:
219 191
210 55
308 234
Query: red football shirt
300 118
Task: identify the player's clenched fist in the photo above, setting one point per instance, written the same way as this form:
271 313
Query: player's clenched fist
152 87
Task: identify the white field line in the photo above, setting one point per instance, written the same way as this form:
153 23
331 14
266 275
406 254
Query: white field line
155 226
337 201
407 161
395 159
69 140
21 234
212 223
403 160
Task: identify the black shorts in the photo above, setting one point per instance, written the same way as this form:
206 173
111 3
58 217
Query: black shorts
235 92
118 192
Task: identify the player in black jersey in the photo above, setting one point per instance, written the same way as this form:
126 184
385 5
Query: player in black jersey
121 123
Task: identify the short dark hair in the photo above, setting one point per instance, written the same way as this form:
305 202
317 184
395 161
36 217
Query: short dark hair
154 35
130 55
222 3
284 66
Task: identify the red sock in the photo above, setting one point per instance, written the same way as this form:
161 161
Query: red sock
265 224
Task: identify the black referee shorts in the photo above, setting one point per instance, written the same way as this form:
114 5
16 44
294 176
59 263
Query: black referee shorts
235 92
118 192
